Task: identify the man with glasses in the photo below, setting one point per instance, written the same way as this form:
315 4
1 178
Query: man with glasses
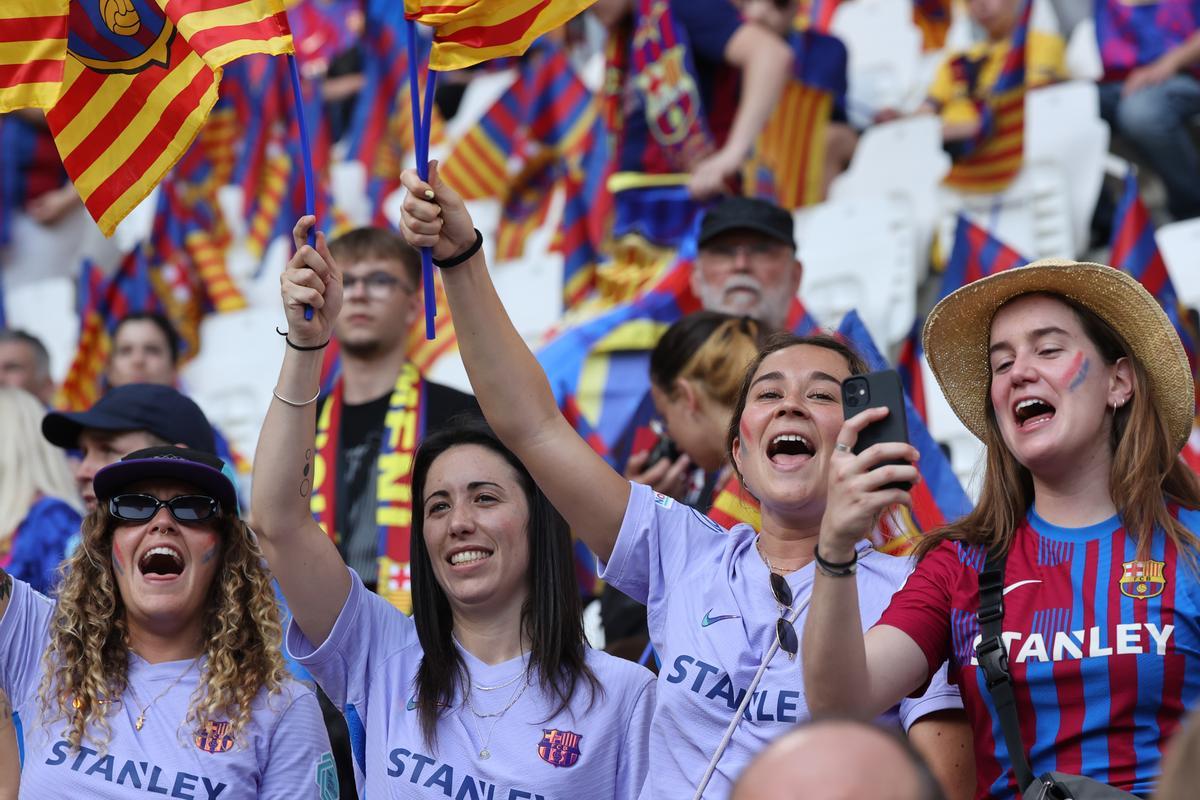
377 412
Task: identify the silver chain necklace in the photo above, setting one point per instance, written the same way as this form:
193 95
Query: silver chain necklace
508 682
484 752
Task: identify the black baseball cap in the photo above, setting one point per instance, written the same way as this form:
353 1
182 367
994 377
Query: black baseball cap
159 410
203 470
748 214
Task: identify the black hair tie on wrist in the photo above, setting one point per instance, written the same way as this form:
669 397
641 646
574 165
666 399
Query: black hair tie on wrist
836 569
454 261
295 346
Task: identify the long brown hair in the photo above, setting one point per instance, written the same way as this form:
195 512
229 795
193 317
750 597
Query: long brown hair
1146 468
87 660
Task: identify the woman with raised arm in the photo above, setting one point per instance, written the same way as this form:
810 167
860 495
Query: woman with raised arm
489 690
1076 381
157 667
721 604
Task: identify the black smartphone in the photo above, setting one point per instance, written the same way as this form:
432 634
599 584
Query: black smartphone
874 390
664 447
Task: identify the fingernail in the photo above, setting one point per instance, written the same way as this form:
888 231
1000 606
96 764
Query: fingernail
429 194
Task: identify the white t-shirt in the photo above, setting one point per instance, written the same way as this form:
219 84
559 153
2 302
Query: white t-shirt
712 617
282 754
592 749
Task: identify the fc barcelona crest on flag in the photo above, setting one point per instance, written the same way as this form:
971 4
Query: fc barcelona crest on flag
1143 579
214 737
119 35
559 748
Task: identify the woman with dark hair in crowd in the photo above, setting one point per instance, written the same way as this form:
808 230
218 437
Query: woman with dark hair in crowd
489 691
157 668
721 603
1076 381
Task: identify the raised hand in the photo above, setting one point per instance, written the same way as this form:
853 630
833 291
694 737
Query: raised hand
311 278
433 215
857 493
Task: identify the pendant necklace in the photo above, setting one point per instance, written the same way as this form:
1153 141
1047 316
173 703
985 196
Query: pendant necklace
484 752
141 717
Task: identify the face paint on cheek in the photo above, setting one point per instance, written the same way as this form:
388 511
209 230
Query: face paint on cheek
210 553
118 565
1079 371
744 429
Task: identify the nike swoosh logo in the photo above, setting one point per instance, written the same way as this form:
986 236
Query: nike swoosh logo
1012 586
709 619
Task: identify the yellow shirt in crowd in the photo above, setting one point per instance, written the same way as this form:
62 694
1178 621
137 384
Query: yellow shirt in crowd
953 96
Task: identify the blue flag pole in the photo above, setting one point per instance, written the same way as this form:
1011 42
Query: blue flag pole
421 124
310 193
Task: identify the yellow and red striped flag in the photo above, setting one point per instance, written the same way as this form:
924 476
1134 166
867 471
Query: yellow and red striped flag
790 155
467 32
33 51
141 80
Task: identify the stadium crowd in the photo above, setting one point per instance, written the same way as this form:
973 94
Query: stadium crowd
657 543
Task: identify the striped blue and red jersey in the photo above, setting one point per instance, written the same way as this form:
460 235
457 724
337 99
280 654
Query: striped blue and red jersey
1104 648
1134 34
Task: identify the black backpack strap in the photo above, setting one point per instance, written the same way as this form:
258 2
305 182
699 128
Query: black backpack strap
993 660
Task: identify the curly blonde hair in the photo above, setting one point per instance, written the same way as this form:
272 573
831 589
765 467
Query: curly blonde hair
87 660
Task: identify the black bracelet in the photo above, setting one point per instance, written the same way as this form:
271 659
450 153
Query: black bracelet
835 569
295 346
454 261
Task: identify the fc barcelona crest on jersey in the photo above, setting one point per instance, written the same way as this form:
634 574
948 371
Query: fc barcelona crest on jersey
559 748
1143 579
214 737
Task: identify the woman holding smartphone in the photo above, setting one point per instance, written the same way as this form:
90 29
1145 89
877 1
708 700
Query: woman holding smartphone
1076 381
722 605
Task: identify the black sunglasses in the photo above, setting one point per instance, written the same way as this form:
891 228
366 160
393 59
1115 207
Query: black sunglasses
785 632
184 508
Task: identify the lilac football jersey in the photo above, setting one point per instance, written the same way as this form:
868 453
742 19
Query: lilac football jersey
594 748
282 754
712 619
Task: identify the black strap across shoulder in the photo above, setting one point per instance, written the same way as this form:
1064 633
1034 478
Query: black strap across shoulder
993 660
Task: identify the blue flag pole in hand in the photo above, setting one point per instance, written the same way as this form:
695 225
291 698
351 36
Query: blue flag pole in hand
421 124
310 194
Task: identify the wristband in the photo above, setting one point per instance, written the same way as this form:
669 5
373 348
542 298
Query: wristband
835 569
454 261
295 346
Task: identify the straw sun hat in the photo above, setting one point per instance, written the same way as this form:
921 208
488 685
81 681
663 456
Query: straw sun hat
958 331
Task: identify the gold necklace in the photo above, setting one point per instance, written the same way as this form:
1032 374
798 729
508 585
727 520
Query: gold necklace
141 717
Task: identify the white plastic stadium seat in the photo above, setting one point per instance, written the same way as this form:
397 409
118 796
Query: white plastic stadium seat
1179 244
884 47
1083 52
902 160
859 253
966 452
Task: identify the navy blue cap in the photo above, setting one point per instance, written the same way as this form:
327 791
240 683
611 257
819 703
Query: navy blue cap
747 214
159 410
165 462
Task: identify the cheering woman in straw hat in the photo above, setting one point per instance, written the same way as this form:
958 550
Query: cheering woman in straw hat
1083 541
157 668
722 605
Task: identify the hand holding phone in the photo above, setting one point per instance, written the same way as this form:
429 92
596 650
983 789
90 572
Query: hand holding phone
881 389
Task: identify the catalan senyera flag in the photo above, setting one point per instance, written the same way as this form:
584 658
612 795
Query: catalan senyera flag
103 303
33 52
993 159
140 80
467 32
